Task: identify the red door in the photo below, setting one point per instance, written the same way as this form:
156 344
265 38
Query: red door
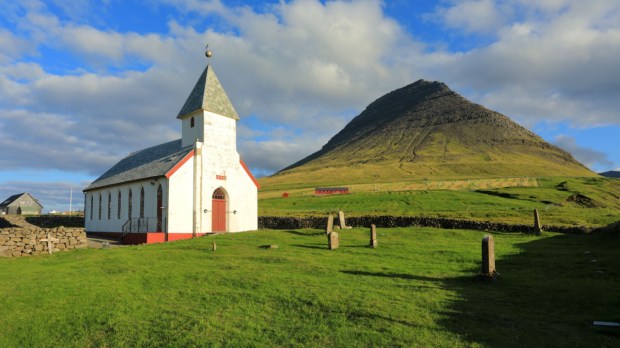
218 216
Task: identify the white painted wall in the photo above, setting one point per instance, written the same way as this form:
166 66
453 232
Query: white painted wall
181 199
115 224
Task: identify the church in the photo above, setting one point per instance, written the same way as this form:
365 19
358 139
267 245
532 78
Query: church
181 189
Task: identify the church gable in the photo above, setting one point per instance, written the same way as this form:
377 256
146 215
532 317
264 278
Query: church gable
152 162
209 95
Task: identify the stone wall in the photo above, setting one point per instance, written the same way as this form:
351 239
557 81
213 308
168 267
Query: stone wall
280 223
49 221
16 241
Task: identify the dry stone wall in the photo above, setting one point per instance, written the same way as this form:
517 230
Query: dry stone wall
281 223
17 241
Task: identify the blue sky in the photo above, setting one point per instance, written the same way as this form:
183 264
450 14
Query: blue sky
83 83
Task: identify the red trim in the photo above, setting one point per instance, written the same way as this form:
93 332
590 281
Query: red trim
249 173
180 164
147 238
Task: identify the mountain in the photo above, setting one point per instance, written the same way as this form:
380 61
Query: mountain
611 174
425 130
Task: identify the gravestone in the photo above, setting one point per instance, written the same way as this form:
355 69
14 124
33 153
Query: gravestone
488 256
50 240
373 236
341 220
537 225
333 241
330 224
214 247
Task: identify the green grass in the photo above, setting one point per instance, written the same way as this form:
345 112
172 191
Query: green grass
509 204
418 288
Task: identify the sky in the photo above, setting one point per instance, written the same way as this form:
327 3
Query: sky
83 83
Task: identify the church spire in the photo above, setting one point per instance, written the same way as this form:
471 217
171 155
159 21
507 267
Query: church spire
209 95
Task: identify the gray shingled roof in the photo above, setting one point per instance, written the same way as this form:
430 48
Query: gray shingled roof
14 198
208 94
153 162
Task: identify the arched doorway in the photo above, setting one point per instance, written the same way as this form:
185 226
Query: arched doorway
218 215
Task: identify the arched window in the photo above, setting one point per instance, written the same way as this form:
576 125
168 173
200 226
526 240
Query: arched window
129 205
109 205
191 122
159 207
99 206
142 202
91 207
118 208
219 194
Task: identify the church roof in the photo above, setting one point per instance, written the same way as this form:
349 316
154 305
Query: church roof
208 94
152 162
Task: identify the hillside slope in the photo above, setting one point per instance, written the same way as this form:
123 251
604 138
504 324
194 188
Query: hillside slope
425 130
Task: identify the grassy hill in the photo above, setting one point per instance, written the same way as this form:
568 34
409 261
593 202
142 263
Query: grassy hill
418 288
427 131
591 201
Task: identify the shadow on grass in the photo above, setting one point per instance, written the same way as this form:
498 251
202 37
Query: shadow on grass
311 246
391 275
548 295
304 234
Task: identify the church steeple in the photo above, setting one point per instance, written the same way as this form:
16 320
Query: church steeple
209 95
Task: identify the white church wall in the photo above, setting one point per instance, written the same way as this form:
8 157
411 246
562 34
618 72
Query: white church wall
115 223
222 168
181 199
190 134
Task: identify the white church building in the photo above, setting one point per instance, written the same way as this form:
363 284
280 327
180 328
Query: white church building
184 188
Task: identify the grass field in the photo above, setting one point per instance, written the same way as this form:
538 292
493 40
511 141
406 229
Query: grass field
500 200
418 288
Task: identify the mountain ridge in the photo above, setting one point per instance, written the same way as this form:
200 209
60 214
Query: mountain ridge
426 129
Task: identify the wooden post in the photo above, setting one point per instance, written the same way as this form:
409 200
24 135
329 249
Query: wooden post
537 225
488 256
373 236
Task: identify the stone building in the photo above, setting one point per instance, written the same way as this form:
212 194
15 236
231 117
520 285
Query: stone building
187 187
21 204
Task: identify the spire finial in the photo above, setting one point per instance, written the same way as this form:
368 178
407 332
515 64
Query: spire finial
207 52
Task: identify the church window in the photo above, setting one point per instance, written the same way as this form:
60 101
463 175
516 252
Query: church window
100 206
219 194
109 205
118 208
191 122
142 202
129 205
91 207
160 207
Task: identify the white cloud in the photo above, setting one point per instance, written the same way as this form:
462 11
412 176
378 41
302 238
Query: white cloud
473 15
587 156
302 67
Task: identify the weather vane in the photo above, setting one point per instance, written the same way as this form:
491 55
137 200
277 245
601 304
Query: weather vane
207 52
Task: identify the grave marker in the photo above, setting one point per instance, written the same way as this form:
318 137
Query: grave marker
333 241
341 220
488 257
50 240
373 236
537 225
330 224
